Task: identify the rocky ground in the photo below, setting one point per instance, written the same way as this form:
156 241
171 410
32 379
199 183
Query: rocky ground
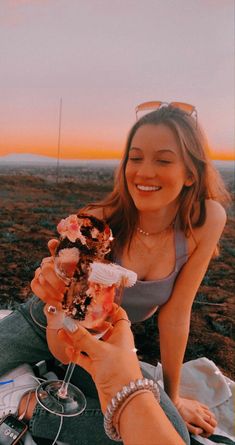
31 206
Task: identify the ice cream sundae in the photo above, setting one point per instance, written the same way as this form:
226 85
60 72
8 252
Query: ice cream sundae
93 282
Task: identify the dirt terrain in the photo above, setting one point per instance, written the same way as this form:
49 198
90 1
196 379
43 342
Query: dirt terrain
31 206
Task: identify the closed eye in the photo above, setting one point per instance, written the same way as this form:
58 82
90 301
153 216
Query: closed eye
135 159
164 161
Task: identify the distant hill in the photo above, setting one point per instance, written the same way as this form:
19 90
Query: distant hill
31 159
15 158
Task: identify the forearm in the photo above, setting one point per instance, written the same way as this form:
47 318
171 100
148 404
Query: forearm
143 422
173 342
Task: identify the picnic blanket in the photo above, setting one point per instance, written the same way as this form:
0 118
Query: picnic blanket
202 380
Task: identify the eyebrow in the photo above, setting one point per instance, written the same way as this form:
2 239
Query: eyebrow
163 150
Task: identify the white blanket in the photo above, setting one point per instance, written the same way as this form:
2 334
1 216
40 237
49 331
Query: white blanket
203 381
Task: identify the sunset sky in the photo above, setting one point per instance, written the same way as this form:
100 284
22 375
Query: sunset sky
103 57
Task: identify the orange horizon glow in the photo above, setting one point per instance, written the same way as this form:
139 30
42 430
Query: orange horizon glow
97 152
86 148
221 155
69 154
91 150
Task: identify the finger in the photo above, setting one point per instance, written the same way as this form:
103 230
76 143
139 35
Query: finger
122 334
209 417
100 330
37 289
48 272
118 312
84 341
204 406
48 279
193 429
206 423
48 259
54 319
212 416
108 333
206 435
113 311
78 358
207 427
52 245
63 335
48 309
37 272
41 293
211 420
52 292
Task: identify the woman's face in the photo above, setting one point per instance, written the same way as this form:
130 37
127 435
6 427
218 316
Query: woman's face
155 171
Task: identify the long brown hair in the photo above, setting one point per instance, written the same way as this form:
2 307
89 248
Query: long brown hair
122 214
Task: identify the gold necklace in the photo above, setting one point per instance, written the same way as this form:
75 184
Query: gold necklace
149 243
143 232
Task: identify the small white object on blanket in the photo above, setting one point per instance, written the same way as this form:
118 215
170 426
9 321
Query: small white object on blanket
203 381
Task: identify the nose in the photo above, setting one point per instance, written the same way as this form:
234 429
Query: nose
147 169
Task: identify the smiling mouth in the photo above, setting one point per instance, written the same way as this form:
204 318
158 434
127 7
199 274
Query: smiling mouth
148 188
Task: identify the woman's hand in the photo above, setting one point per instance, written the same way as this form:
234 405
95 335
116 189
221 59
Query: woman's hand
111 363
46 285
56 345
197 416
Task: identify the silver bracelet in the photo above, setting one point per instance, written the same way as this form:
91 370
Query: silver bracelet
121 396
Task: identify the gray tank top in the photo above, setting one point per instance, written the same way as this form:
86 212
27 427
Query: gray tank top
143 299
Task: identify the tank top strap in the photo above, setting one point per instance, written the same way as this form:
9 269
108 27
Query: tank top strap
181 246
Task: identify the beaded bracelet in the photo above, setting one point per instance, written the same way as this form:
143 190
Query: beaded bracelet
122 396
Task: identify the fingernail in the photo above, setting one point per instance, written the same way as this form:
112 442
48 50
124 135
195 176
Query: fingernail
70 324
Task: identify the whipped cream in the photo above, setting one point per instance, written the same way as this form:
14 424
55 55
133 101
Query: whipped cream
109 274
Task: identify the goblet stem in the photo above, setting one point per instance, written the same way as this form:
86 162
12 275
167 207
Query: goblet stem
63 391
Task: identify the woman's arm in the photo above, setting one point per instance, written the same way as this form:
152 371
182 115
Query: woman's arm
143 422
174 316
112 364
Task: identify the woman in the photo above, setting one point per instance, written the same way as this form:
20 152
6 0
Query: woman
166 217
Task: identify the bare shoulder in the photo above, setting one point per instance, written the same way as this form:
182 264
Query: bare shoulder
213 226
215 214
210 232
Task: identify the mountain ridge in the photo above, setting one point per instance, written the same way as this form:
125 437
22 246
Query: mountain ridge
28 158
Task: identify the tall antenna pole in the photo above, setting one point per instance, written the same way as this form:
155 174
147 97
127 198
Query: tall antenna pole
58 145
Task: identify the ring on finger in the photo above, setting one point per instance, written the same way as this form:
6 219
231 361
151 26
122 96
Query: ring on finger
51 309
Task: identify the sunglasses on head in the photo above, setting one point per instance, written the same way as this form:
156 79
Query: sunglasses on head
155 105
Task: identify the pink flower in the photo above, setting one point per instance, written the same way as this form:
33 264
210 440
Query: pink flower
70 228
